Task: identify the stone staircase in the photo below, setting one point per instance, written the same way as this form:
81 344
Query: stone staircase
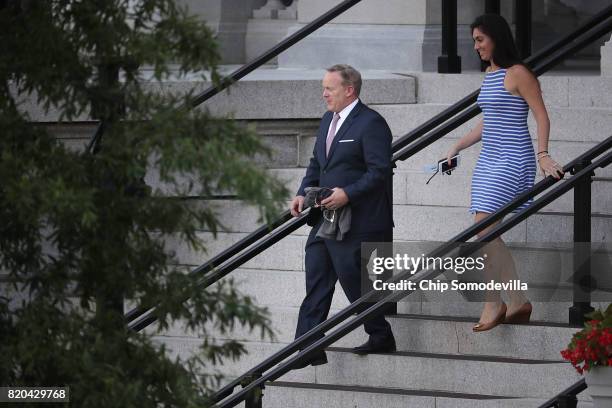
440 362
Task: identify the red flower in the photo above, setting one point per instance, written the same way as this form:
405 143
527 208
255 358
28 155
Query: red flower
591 346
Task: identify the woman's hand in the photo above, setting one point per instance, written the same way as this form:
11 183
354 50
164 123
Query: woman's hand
451 153
550 167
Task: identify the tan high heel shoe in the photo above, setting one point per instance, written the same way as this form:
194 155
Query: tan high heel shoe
521 316
499 318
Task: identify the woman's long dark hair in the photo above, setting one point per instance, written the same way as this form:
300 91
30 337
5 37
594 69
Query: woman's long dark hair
505 53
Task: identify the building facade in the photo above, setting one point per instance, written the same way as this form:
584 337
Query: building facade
377 34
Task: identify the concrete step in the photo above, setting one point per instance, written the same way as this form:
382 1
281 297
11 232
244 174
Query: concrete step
304 395
491 375
562 151
283 291
285 255
454 191
565 90
569 124
435 223
287 94
535 263
474 375
410 177
292 142
410 190
287 139
278 87
424 223
537 340
547 312
409 185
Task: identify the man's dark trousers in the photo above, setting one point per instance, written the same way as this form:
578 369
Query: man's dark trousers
328 261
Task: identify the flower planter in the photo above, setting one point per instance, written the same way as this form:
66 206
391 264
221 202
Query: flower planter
599 383
590 352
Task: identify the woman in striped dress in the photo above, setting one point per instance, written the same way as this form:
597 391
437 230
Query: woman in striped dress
506 166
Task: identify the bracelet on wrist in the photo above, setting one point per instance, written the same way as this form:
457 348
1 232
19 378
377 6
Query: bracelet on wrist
543 151
542 156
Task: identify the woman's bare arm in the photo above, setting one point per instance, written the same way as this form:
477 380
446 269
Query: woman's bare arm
522 82
472 137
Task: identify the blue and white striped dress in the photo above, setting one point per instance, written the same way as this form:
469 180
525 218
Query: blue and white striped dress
506 166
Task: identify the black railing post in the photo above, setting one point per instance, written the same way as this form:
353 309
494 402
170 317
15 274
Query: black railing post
449 61
387 275
522 13
255 396
582 251
492 7
567 397
567 401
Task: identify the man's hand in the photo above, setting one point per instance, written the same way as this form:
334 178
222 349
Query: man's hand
336 200
297 206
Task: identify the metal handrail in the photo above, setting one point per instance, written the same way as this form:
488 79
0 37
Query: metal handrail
378 307
224 256
407 152
570 391
148 316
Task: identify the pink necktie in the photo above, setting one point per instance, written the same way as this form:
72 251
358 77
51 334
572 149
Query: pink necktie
331 133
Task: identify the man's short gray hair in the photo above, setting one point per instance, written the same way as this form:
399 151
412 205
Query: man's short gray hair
350 76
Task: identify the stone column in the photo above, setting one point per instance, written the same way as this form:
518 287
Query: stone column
228 19
268 27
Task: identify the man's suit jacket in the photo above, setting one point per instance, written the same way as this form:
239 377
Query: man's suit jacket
359 162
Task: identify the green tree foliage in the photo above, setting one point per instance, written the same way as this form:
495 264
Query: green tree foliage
79 231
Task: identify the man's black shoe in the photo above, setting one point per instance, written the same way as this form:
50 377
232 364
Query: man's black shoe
380 346
318 358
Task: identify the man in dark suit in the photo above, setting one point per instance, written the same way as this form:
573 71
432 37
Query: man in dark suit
352 156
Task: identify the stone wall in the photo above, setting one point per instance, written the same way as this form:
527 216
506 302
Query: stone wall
375 34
